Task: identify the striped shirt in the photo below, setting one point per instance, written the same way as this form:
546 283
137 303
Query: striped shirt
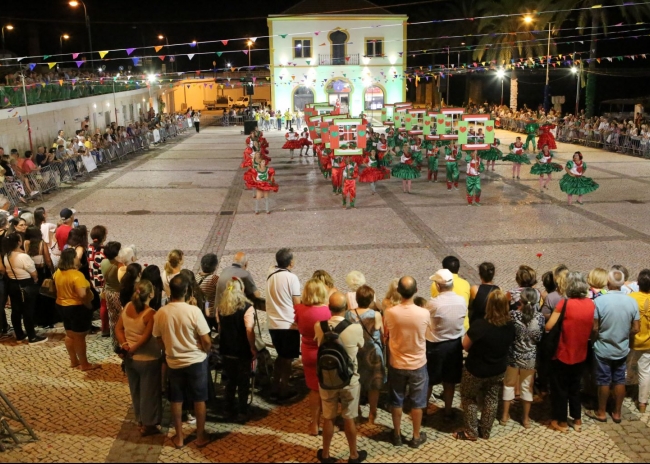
448 311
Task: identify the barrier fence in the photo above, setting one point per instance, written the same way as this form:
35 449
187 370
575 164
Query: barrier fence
79 167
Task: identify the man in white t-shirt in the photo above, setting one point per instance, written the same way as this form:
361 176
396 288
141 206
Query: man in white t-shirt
282 292
184 335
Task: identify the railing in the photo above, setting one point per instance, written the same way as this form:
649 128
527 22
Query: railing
331 60
46 93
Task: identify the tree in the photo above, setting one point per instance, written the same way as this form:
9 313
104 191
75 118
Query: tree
510 38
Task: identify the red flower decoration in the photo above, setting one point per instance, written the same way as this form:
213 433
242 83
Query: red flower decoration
539 255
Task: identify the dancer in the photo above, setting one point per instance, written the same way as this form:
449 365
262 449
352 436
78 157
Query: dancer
372 172
492 154
517 156
546 137
305 142
574 181
292 142
350 174
264 183
531 130
545 165
452 155
324 161
432 161
250 176
338 163
473 181
406 170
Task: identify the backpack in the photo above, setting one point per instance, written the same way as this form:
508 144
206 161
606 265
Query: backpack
333 364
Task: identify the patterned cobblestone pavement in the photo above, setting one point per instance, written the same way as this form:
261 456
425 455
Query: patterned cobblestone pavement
192 195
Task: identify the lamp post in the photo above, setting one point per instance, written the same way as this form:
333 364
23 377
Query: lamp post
151 78
73 4
29 128
500 74
9 27
448 75
576 71
61 37
250 44
161 36
547 89
114 102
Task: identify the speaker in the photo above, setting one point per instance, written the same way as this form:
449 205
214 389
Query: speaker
249 126
250 89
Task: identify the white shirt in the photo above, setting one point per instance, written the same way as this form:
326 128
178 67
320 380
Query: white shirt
47 229
180 325
281 287
22 264
448 311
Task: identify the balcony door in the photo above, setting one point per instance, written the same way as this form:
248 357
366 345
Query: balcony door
338 39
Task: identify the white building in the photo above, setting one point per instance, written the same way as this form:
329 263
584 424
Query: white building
357 59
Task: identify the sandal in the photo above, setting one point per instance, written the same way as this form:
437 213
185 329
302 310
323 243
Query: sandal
592 415
463 435
503 422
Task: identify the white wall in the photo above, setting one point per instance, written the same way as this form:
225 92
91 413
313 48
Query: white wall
288 72
48 118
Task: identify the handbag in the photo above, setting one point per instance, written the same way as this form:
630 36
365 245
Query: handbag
553 337
260 344
48 288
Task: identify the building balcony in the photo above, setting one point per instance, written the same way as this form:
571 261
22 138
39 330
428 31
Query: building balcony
331 60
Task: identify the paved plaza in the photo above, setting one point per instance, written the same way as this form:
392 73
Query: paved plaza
188 194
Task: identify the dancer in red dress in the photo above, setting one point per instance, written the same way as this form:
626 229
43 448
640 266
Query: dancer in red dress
546 138
292 142
350 175
305 142
264 183
372 172
337 163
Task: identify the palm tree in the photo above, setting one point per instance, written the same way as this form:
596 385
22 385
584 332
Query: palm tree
597 18
510 38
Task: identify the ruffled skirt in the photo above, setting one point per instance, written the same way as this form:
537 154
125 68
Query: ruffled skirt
493 154
546 139
292 145
405 171
519 159
582 185
369 175
546 168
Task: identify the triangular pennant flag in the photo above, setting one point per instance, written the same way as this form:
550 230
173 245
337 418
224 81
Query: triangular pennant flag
158 48
129 51
347 58
225 42
103 54
45 57
75 55
190 56
284 36
135 60
188 86
51 65
245 52
79 63
293 78
60 81
32 66
253 39
317 32
308 63
193 44
232 70
162 57
219 53
322 45
268 78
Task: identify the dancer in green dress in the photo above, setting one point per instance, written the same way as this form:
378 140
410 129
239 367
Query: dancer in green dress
492 155
545 166
517 156
574 181
407 169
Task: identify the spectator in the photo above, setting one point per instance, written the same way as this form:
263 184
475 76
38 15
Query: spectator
445 348
324 277
152 274
37 250
641 345
109 268
4 324
73 299
529 327
126 256
23 288
65 226
392 298
597 280
354 279
143 362
629 287
372 368
407 327
568 362
487 344
78 240
479 293
128 283
282 293
461 286
311 310
526 277
95 258
172 268
185 337
615 319
207 282
237 346
239 269
351 337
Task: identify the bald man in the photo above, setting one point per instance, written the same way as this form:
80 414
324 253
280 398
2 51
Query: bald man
237 269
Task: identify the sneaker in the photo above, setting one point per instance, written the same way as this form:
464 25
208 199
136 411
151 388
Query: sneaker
416 442
37 339
319 456
396 440
362 455
34 193
21 339
190 419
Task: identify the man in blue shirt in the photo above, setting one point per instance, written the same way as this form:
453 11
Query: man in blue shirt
615 319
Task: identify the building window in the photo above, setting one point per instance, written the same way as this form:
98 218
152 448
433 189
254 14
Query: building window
338 40
302 48
374 99
374 47
301 96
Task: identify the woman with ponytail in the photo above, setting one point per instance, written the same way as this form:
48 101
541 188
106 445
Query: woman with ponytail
172 268
529 328
143 360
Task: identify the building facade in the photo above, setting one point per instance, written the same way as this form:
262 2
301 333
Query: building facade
355 61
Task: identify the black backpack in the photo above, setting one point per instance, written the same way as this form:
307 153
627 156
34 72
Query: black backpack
333 365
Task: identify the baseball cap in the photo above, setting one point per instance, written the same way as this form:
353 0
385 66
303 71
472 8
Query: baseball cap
67 213
443 277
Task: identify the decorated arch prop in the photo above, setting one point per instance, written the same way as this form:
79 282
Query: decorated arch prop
475 132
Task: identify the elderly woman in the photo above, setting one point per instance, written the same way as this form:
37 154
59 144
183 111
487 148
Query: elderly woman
312 309
597 281
354 279
568 362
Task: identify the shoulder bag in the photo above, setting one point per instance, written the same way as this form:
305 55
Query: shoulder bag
552 339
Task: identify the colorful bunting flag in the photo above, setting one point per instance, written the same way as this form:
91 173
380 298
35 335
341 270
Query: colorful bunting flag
219 53
190 56
135 60
129 51
45 57
225 42
79 63
51 65
162 57
75 55
158 48
284 36
102 54
245 52
32 66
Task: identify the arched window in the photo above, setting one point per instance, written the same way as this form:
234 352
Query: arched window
301 96
338 39
374 99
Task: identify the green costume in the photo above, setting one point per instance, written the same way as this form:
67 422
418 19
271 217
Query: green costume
531 130
577 184
545 166
452 167
516 155
473 180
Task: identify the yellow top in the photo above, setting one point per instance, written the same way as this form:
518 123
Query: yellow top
461 287
67 283
642 339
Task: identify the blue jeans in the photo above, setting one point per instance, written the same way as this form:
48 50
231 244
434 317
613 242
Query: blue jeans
417 382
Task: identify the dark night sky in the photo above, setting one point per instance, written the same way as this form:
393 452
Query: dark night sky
139 23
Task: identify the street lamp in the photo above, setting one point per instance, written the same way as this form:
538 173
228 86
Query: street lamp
576 71
161 37
501 74
547 89
250 44
9 27
74 4
61 38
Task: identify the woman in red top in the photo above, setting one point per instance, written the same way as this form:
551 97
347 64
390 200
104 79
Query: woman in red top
568 363
312 310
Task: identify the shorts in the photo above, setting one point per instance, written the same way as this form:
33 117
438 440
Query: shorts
286 342
189 383
610 371
77 319
417 382
445 362
348 397
526 380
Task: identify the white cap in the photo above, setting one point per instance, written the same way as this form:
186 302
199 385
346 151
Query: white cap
443 277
